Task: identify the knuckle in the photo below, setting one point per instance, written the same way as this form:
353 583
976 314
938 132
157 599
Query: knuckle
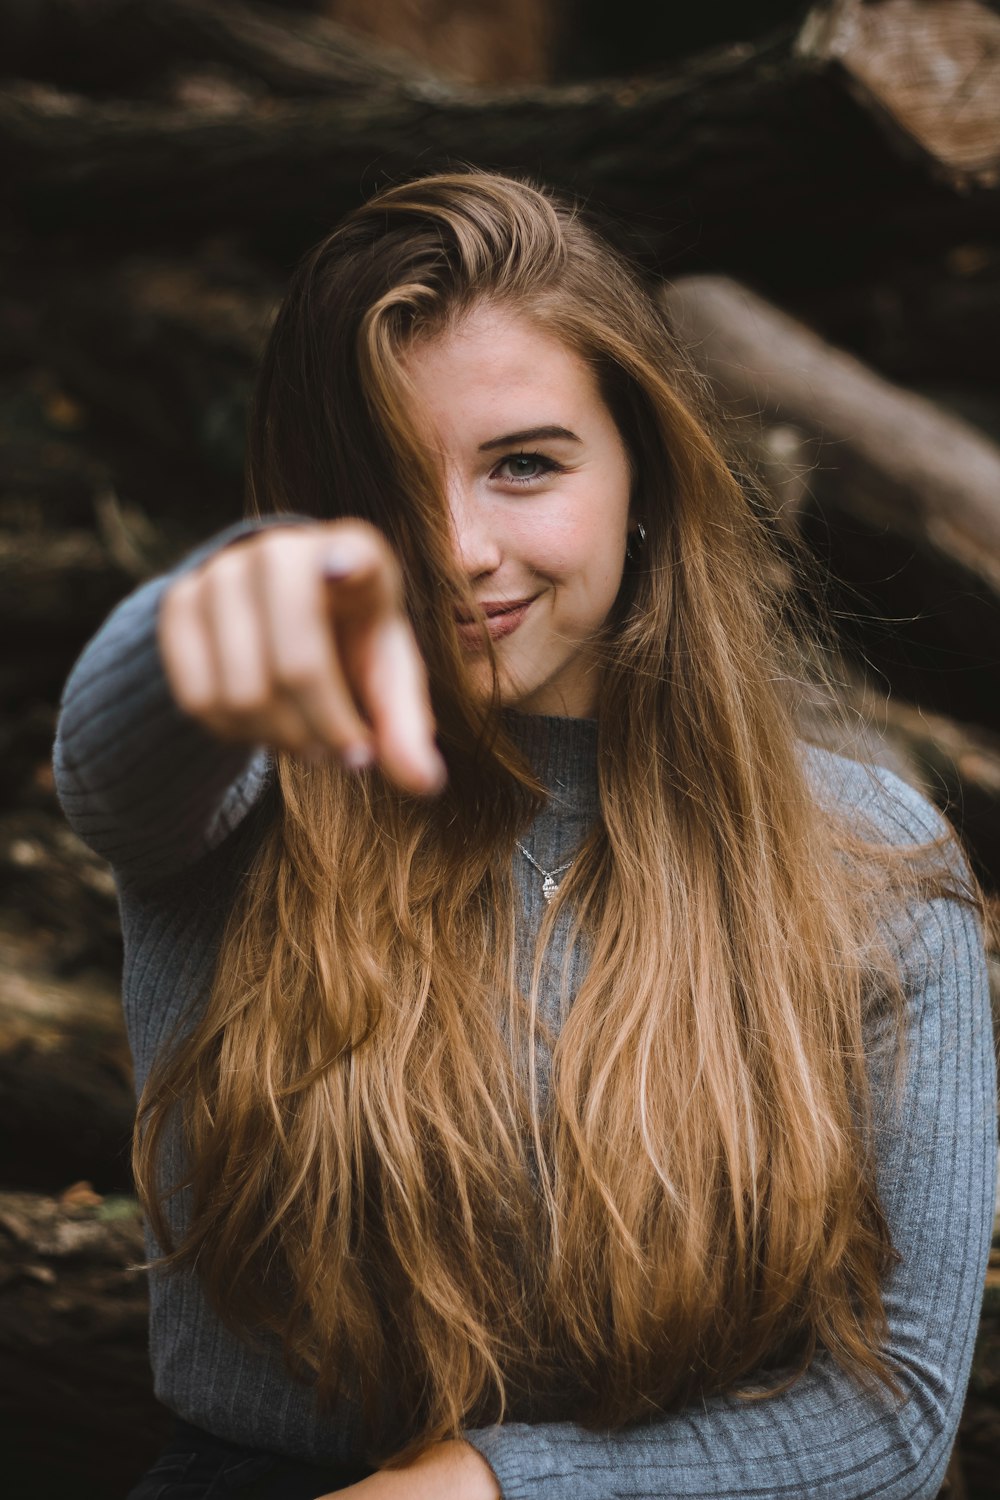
336 739
271 540
246 698
371 544
195 701
271 556
337 723
301 672
193 704
296 738
366 532
225 572
390 562
224 727
178 600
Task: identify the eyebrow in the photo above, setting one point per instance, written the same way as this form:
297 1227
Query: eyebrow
529 435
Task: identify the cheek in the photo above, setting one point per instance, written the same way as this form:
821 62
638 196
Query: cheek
552 546
579 545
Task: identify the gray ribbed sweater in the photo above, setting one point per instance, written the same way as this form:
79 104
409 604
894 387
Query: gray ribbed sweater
150 791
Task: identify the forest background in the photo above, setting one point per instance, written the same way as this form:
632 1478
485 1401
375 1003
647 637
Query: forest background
819 185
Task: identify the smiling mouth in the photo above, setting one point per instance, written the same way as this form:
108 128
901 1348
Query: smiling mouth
493 611
500 622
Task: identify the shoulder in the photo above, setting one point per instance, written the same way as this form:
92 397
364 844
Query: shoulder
934 923
882 805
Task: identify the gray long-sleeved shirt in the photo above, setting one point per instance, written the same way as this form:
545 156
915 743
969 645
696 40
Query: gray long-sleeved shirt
162 801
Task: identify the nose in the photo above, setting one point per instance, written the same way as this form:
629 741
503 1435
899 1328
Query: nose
474 531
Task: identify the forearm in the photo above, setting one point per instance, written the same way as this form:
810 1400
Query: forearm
449 1471
822 1440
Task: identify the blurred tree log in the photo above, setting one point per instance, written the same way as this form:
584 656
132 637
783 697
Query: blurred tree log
147 47
76 1410
796 135
889 479
66 1100
902 461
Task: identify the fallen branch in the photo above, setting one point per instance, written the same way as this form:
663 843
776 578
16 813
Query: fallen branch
774 134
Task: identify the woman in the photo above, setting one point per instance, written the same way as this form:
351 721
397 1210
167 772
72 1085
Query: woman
559 1077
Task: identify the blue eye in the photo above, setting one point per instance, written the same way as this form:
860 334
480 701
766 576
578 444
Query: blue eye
524 468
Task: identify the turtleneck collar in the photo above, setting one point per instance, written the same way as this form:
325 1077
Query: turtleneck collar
562 752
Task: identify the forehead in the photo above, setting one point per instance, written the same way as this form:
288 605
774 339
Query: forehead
495 361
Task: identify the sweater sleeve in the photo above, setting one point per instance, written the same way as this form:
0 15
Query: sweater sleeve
825 1437
143 784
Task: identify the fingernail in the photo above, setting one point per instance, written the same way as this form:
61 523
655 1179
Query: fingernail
338 563
356 757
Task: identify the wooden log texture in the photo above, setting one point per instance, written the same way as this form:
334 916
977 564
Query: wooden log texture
164 347
503 42
163 163
752 151
77 1415
892 483
907 463
931 70
66 1098
928 320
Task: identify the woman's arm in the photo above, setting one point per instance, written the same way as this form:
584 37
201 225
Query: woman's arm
284 633
825 1438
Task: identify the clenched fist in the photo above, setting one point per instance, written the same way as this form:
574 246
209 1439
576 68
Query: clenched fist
296 637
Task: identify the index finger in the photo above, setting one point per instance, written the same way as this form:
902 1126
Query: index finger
395 695
381 658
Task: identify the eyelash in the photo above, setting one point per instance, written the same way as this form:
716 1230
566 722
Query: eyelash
549 466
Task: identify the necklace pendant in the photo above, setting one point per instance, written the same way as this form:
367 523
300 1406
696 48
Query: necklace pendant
549 887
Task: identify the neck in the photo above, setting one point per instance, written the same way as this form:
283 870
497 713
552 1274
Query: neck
562 751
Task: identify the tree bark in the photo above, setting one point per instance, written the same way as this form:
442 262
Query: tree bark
898 494
78 1414
768 138
931 70
907 464
66 1096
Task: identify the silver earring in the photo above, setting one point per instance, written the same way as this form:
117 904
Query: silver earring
633 547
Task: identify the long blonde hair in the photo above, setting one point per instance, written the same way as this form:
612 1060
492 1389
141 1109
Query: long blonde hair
371 1178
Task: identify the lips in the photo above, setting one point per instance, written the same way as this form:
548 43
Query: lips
502 619
493 607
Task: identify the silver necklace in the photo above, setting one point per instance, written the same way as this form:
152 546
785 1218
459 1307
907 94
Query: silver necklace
549 885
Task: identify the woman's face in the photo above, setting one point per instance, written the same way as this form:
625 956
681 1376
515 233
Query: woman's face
538 487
